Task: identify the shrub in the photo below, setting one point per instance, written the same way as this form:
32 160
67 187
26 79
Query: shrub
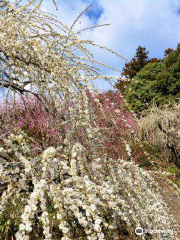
118 125
31 116
63 193
161 127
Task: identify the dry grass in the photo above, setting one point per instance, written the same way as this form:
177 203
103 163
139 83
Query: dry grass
161 127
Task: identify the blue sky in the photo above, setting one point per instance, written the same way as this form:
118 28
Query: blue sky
95 12
154 24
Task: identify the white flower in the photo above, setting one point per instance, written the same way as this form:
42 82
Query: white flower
74 154
61 225
90 136
19 138
1 149
28 227
65 230
73 166
44 214
83 221
93 207
59 216
19 236
27 209
1 169
22 227
97 228
101 236
49 153
128 149
117 111
43 183
98 221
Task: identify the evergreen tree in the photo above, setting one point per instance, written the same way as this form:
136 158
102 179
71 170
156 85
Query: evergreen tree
157 82
137 63
131 68
168 51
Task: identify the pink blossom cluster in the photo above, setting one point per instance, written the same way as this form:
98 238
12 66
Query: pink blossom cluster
30 115
117 124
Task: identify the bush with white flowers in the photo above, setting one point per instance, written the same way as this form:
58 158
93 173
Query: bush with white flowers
90 199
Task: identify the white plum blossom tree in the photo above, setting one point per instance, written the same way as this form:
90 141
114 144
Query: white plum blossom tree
73 190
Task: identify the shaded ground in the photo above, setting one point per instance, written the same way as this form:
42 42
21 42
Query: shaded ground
171 197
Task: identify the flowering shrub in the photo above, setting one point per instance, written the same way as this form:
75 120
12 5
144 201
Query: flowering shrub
161 127
31 116
85 200
119 127
117 124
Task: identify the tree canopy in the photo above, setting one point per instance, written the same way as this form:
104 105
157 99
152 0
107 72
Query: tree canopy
157 82
140 59
131 68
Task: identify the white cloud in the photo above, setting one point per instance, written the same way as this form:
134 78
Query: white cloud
154 24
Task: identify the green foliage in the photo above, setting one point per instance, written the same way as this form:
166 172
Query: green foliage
168 51
174 170
144 162
157 82
131 68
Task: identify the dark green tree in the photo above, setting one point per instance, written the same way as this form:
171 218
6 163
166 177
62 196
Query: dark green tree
168 51
136 64
131 68
157 82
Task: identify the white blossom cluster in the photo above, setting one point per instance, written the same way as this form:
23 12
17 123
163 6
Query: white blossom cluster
161 127
89 199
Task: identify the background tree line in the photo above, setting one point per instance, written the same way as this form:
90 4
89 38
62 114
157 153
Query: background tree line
152 81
